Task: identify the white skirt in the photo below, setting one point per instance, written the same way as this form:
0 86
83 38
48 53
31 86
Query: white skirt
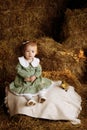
60 105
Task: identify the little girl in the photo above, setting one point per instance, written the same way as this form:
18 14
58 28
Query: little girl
29 81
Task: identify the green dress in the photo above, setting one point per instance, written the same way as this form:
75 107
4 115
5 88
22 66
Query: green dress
24 70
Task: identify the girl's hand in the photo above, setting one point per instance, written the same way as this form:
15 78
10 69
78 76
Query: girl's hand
32 78
27 79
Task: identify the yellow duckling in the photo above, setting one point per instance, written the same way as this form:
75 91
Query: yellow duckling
64 85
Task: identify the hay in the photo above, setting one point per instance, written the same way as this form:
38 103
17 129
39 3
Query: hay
26 20
75 37
54 56
74 29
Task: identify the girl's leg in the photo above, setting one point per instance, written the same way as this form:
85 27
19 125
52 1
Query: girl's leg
30 100
42 97
27 96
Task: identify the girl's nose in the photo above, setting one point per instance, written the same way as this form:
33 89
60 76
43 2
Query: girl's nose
30 53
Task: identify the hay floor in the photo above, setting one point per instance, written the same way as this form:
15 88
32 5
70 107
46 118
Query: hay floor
23 122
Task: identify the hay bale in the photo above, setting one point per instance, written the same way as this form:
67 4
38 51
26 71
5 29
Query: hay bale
75 37
54 56
74 29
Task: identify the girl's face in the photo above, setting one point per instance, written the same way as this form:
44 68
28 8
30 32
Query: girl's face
30 52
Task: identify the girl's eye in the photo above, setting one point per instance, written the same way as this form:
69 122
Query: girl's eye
32 51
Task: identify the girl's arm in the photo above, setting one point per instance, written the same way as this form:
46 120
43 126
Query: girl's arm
38 71
20 71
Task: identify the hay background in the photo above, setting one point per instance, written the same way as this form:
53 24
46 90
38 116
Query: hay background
27 20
